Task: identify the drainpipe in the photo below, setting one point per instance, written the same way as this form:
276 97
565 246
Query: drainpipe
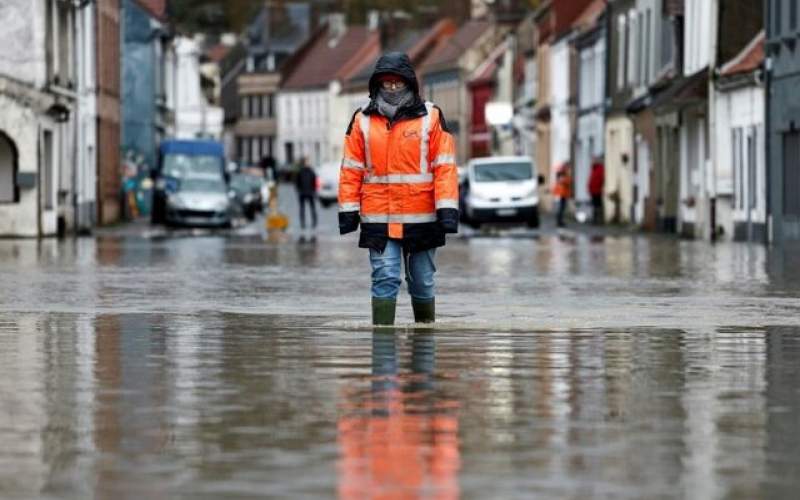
76 118
711 190
768 124
80 72
39 183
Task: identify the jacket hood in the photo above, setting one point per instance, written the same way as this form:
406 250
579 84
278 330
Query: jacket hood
395 63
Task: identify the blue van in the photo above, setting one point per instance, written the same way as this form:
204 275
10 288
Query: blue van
180 159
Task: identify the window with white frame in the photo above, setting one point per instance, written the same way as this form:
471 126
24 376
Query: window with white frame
267 144
736 157
599 78
622 50
752 166
244 149
47 195
301 111
266 106
648 33
255 150
9 191
529 87
667 43
633 48
745 165
60 40
585 78
642 48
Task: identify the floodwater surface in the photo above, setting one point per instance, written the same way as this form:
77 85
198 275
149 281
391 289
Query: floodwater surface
222 366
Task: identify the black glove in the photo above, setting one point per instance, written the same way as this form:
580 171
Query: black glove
448 219
348 222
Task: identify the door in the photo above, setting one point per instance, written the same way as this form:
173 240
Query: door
791 176
641 186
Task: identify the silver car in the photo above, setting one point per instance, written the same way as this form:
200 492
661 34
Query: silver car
199 201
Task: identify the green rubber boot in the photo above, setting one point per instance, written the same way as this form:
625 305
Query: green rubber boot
424 311
383 311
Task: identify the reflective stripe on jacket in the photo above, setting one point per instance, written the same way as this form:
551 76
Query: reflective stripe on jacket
398 174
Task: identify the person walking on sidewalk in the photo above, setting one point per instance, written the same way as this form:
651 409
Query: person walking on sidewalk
562 191
400 183
306 183
597 180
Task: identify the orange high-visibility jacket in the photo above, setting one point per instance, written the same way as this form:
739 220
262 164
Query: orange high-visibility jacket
563 187
400 179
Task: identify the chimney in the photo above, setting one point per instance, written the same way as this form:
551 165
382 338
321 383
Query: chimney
373 20
337 25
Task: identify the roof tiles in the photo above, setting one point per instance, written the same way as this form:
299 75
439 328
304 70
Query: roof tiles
156 8
749 59
329 58
450 51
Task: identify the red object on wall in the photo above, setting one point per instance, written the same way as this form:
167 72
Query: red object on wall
480 138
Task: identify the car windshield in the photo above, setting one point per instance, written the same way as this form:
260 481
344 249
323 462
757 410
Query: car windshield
244 182
203 185
180 165
498 172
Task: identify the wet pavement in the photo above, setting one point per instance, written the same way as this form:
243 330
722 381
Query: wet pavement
144 363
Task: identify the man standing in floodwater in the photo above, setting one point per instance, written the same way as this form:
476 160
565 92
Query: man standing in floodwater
306 184
399 181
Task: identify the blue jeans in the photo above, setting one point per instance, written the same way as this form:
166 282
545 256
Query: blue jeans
386 272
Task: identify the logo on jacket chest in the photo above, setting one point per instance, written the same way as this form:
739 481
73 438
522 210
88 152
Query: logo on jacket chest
410 134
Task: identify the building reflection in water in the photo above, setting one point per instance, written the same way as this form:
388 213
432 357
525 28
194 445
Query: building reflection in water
399 439
131 422
782 381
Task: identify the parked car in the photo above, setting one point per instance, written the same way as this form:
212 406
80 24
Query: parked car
500 189
179 159
199 200
328 179
246 194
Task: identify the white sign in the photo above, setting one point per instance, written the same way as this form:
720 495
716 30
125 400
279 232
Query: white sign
499 113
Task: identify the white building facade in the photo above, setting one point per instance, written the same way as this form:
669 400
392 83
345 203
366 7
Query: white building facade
303 126
342 106
591 103
696 175
739 148
561 120
47 104
194 117
85 170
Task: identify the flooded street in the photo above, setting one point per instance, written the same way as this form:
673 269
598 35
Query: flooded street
145 364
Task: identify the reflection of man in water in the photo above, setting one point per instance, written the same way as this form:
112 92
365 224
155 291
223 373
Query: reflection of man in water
399 440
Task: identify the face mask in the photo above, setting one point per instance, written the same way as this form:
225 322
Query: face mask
395 97
390 101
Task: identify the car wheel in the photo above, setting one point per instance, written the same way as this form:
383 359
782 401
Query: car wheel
533 222
157 213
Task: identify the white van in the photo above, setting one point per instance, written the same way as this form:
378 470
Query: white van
501 189
328 182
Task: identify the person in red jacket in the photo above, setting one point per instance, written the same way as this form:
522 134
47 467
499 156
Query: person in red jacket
597 181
